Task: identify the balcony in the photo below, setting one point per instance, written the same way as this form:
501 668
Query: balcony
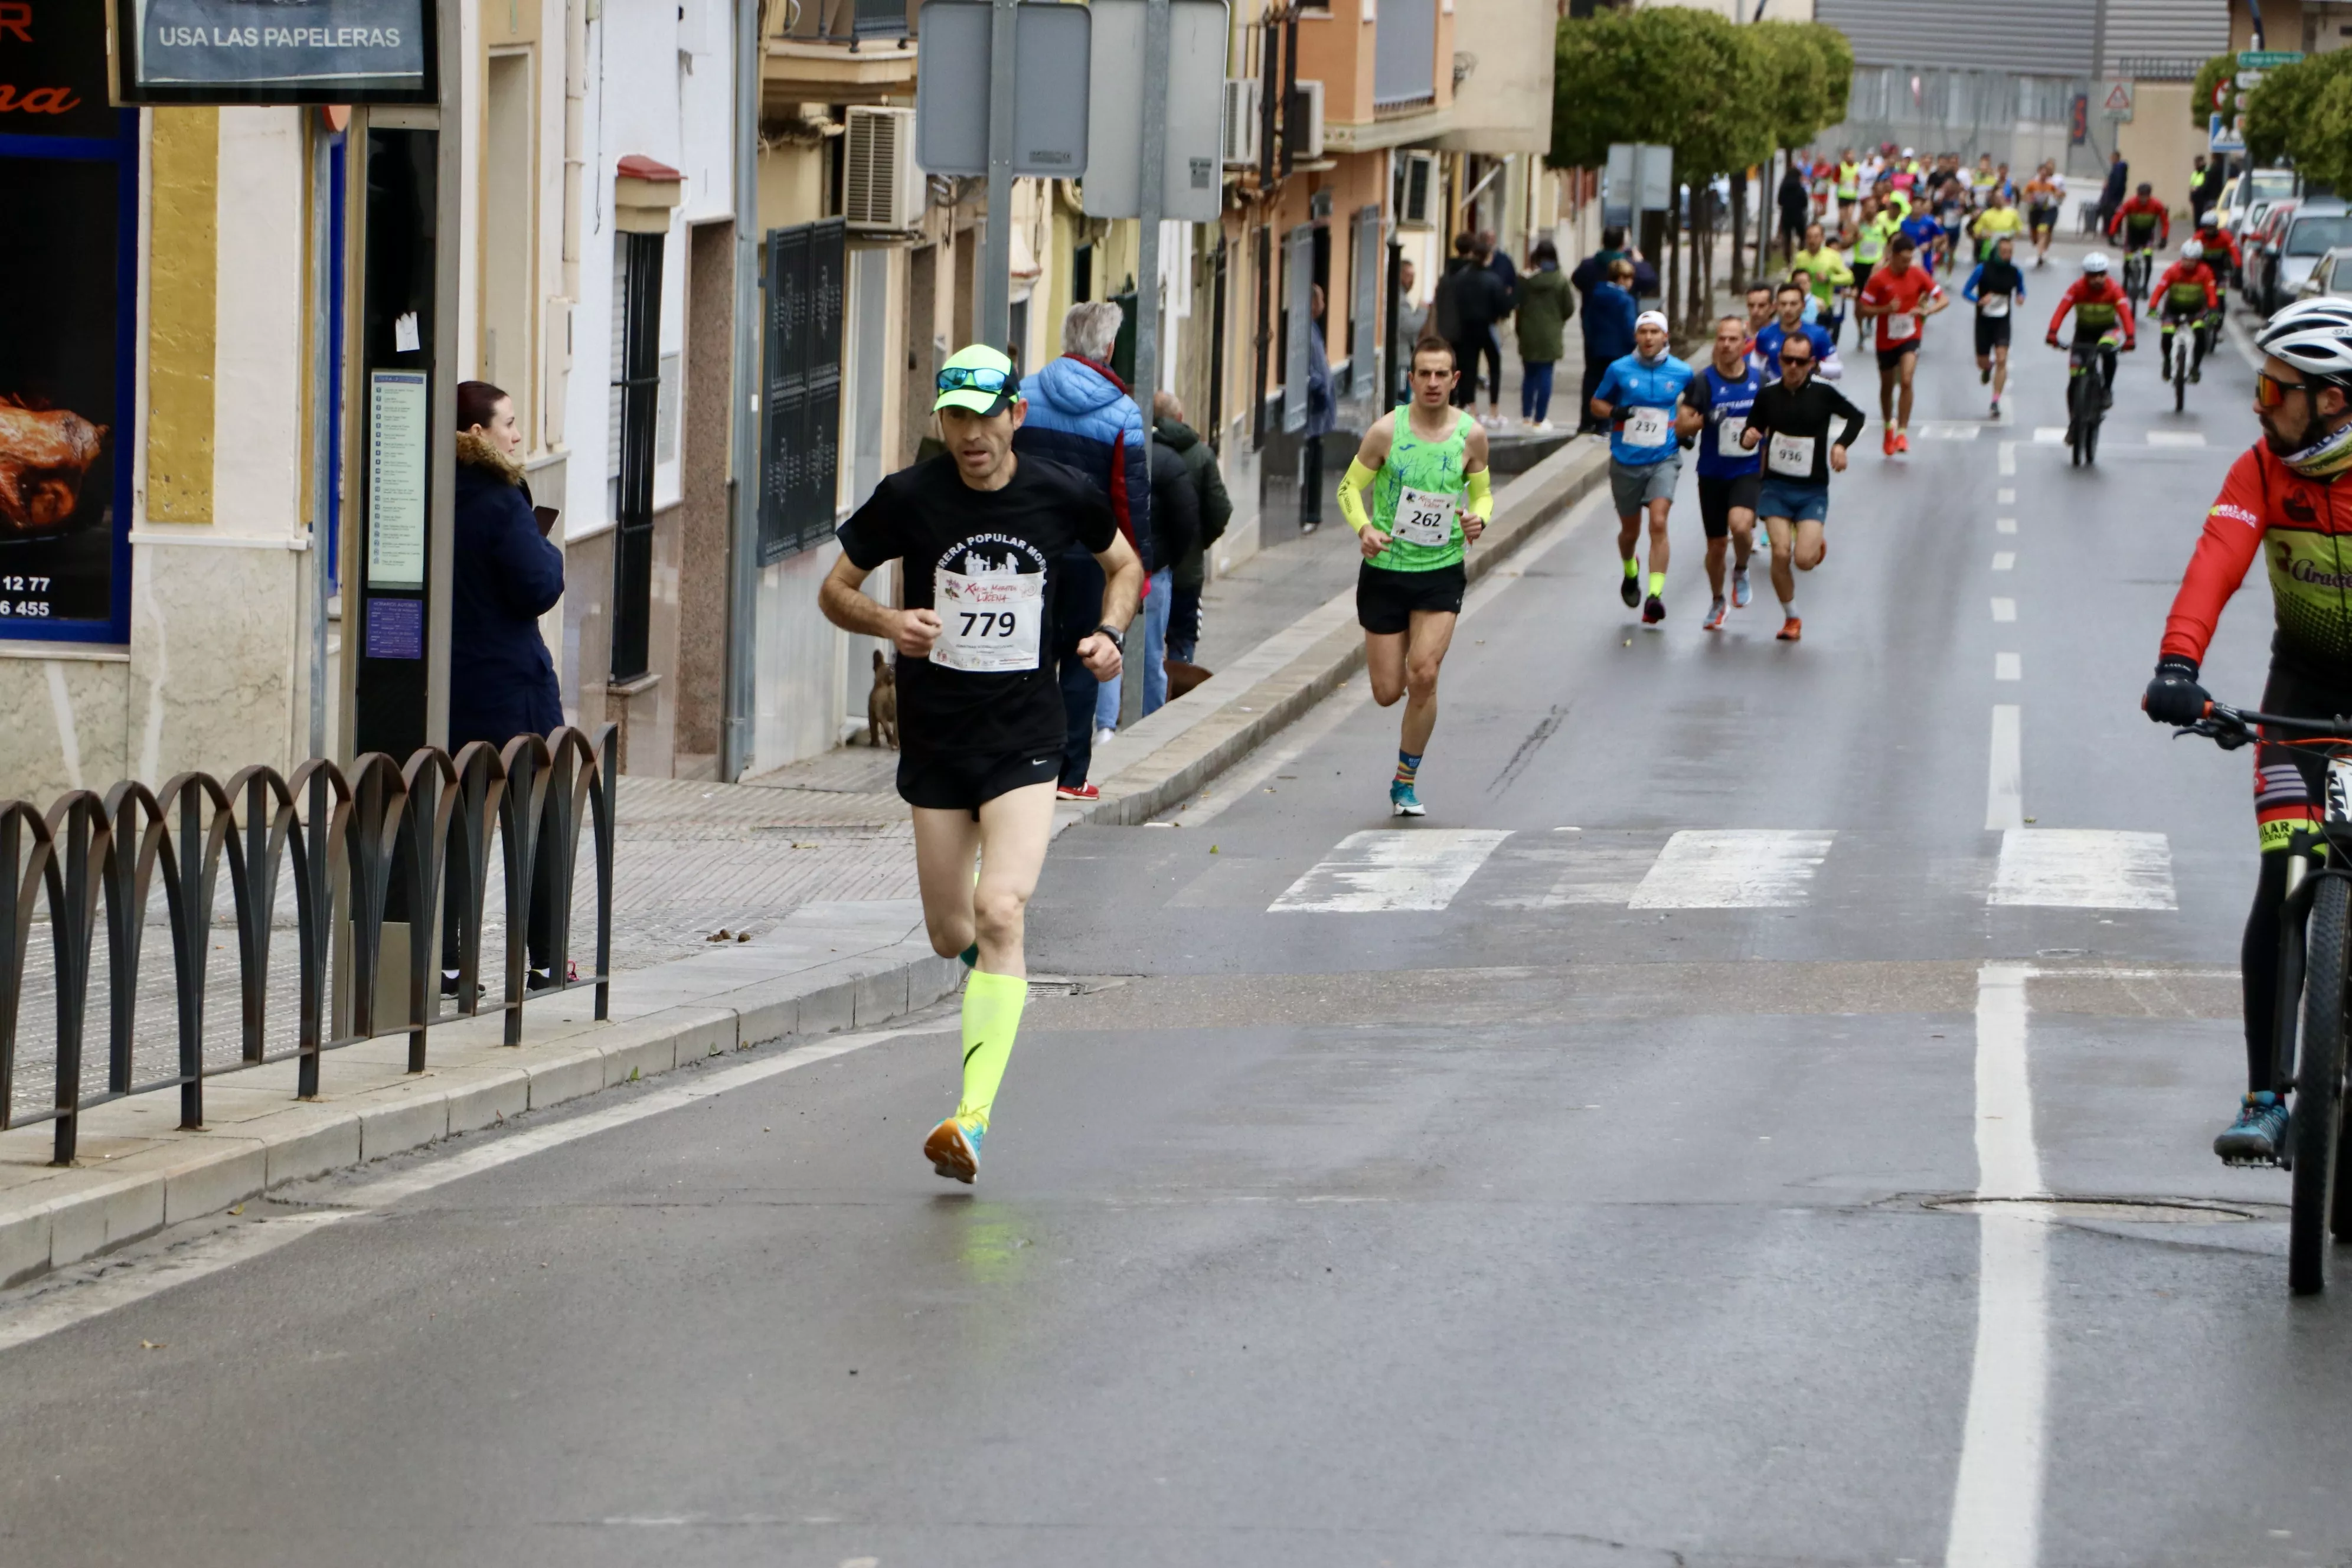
838 51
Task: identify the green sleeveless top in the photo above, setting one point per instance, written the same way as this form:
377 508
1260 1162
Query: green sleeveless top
1428 468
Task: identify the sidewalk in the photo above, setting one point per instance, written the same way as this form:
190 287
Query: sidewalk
807 870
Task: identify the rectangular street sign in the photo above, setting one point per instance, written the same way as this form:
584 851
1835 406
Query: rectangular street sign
233 51
1193 183
2224 136
2266 59
1050 72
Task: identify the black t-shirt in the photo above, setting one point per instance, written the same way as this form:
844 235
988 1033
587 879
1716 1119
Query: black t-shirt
928 517
1801 416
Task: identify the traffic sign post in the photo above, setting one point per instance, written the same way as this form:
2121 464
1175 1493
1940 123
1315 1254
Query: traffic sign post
2115 102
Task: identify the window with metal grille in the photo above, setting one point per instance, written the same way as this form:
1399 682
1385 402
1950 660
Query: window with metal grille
800 403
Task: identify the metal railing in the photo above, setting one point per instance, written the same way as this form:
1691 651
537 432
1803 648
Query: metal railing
366 847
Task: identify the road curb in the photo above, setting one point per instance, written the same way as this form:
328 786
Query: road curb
1198 752
264 1138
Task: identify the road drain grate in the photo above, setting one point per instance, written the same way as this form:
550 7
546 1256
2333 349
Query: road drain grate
2129 1211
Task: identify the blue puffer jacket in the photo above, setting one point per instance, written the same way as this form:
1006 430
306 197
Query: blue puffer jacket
507 577
1081 418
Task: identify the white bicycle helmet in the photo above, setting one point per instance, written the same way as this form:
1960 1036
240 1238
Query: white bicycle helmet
2095 264
2313 335
2192 251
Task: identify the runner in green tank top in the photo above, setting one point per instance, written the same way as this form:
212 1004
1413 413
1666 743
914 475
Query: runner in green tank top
1425 465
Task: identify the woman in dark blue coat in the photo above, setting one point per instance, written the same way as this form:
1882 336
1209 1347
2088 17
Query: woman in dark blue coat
507 575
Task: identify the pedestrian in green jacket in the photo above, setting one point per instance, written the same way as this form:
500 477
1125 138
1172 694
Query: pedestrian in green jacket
1546 302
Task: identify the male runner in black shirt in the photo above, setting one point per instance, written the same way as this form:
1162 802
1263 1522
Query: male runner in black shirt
980 710
1790 421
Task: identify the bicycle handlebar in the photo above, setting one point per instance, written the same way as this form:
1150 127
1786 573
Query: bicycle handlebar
2233 726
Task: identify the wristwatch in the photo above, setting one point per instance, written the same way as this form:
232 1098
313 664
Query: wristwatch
1108 630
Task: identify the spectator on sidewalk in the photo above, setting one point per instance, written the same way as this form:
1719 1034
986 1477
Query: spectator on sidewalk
1080 416
1546 302
1412 313
2112 196
1215 509
2205 187
1796 209
1498 262
505 576
1322 416
1469 302
1175 534
1609 316
1594 270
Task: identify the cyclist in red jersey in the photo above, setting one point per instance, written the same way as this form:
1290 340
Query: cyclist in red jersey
2143 216
2185 296
1900 296
2220 250
2286 500
2100 306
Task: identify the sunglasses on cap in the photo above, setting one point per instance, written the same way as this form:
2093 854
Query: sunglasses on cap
969 378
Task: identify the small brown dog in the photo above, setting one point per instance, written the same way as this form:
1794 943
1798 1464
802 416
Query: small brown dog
882 705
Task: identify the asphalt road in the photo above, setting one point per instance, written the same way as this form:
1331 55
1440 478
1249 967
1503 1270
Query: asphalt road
1565 1178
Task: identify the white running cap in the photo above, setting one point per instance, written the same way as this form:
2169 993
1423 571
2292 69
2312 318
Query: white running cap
1650 319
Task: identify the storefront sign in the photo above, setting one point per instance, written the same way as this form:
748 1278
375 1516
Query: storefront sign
287 51
68 174
400 409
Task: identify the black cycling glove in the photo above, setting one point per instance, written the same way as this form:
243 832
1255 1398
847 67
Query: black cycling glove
2173 695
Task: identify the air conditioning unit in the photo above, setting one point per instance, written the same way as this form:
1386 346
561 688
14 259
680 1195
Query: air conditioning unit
1416 188
1242 113
1302 121
881 187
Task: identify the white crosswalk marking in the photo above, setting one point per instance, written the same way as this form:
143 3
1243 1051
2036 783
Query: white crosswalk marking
1388 868
1733 869
1938 430
2176 438
2084 869
2050 435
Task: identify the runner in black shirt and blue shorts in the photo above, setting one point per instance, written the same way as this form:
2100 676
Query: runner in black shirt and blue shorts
1789 424
980 710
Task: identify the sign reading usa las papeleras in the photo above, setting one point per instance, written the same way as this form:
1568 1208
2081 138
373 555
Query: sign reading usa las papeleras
275 51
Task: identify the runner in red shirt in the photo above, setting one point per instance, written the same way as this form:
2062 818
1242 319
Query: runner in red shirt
1899 297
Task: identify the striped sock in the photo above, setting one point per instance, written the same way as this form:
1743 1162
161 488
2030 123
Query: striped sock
1408 764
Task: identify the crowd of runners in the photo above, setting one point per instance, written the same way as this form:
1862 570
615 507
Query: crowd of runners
1022 569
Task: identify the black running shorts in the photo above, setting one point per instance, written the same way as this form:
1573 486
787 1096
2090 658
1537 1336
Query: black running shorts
1890 359
1386 599
1991 331
1717 497
961 782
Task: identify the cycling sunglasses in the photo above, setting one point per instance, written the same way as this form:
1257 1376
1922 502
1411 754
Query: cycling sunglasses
969 378
2270 391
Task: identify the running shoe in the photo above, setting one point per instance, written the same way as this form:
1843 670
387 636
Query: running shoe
2258 1136
1791 630
2196 373
1630 592
1653 611
1402 802
953 1148
1077 792
1887 443
1740 591
1103 736
1714 621
1902 442
1996 409
1984 375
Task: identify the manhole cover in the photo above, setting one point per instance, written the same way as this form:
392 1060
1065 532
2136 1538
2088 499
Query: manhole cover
2133 1211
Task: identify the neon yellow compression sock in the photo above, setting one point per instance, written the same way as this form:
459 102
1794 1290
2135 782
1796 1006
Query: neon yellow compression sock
1657 584
1633 567
991 1016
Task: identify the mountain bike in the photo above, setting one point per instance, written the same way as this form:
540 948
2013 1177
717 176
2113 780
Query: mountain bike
2180 346
2087 399
2314 992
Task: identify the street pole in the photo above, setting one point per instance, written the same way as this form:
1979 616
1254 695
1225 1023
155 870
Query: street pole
1151 196
995 319
743 481
322 401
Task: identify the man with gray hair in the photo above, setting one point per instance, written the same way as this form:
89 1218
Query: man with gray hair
1080 416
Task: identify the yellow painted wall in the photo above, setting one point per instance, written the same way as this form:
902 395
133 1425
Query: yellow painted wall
183 279
2161 144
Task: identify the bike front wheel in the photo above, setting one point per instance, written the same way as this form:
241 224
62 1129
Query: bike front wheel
2318 1083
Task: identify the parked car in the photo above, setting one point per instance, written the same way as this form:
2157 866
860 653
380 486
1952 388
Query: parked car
2243 190
2257 267
2316 225
2331 276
